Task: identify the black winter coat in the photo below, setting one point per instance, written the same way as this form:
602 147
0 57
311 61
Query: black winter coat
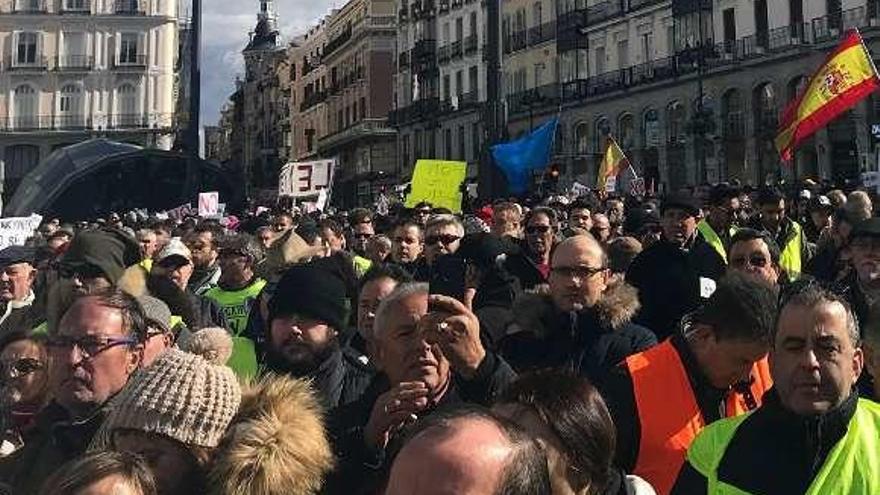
590 342
362 471
668 279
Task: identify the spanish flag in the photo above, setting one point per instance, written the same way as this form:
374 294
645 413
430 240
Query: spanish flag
612 162
847 77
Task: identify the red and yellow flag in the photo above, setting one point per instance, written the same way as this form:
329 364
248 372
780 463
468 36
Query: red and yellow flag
847 77
612 162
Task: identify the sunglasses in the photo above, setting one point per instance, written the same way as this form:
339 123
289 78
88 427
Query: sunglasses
20 367
757 261
82 272
538 229
363 236
445 239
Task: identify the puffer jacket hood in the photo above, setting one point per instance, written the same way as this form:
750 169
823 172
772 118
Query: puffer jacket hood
276 445
616 308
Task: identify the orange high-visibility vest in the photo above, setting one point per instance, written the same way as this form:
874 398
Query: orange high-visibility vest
669 414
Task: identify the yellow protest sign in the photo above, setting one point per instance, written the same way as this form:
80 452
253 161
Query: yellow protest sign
437 182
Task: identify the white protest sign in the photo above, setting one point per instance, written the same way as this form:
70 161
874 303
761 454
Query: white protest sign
304 179
16 230
209 204
321 203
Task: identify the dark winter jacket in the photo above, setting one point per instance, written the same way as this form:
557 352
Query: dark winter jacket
207 313
589 342
669 280
493 306
774 450
23 315
361 470
338 380
53 441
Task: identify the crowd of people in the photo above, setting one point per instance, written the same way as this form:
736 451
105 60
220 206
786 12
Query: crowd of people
714 340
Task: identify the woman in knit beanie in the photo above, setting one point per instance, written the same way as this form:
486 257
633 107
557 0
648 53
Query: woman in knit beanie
175 411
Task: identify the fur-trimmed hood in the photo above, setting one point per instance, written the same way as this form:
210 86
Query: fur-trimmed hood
276 445
617 307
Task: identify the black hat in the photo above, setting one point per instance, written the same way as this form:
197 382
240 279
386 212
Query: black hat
17 254
866 228
111 250
683 201
311 291
484 249
820 203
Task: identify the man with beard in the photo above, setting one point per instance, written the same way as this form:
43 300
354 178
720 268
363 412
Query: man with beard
431 359
203 244
307 314
678 273
97 346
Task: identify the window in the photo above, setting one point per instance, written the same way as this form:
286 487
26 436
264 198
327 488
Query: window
473 25
600 60
70 106
537 17
461 144
581 138
27 49
474 83
126 105
25 107
447 91
539 74
603 129
447 138
623 54
354 112
459 83
74 50
459 29
363 107
76 5
475 140
128 49
626 131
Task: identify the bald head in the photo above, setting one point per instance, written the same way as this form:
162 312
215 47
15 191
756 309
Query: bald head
443 460
579 273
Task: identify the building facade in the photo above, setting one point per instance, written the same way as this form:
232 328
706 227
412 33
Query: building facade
359 63
75 69
693 90
309 91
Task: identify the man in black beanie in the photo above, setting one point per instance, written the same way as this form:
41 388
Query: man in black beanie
307 313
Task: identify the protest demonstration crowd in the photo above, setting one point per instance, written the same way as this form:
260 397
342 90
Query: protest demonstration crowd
720 339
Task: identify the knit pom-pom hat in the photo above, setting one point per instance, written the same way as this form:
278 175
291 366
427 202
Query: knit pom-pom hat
187 395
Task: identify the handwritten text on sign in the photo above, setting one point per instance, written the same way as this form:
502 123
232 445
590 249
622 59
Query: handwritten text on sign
303 179
15 231
439 183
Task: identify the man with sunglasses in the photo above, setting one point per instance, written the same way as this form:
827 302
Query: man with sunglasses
443 235
716 367
583 324
99 343
755 253
719 224
542 224
788 234
238 288
678 273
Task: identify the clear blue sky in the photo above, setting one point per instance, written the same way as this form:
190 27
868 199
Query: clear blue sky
226 25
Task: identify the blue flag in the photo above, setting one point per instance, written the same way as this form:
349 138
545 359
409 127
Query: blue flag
518 159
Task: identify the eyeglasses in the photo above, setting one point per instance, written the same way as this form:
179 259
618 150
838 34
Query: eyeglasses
20 367
81 272
538 229
362 235
757 261
579 272
90 346
445 239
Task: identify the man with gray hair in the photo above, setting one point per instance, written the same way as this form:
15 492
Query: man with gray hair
812 434
429 357
443 235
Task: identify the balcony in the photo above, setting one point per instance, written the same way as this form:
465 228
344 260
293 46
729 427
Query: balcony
337 41
516 41
132 62
443 6
457 4
638 4
419 110
471 44
443 54
75 7
424 56
366 128
129 8
531 99
82 122
542 33
74 63
570 34
30 7
312 99
456 50
28 64
603 11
